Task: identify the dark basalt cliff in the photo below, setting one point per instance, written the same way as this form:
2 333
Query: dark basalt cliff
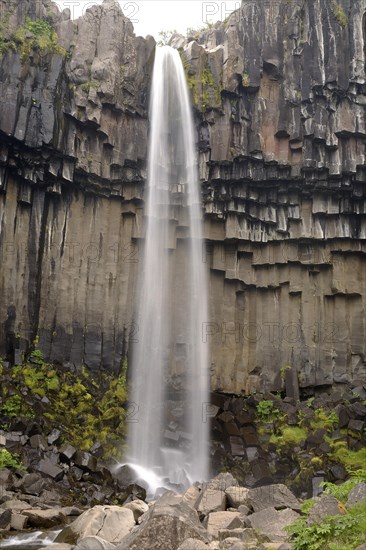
279 95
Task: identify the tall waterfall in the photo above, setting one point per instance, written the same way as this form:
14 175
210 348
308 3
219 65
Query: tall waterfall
170 364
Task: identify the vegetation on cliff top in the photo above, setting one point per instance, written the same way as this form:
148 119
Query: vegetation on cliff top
35 34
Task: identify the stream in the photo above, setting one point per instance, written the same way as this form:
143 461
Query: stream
29 541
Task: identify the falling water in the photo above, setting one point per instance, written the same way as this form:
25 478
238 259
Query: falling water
170 361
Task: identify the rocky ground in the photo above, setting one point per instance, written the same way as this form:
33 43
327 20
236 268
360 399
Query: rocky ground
218 515
273 452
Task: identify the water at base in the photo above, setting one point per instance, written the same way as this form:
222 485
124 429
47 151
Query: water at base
168 435
30 541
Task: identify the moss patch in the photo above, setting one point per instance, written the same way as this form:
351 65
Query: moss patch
33 35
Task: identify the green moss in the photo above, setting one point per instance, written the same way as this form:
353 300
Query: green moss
323 419
33 35
205 93
89 84
339 14
245 79
289 435
352 460
9 460
85 409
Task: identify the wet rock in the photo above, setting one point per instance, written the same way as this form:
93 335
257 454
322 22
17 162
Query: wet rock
111 523
272 522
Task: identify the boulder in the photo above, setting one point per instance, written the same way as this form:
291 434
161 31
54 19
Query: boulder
233 543
94 543
237 496
191 495
212 497
111 523
219 520
138 508
357 495
169 522
246 535
16 505
18 522
45 518
271 522
47 468
325 505
193 544
5 519
6 479
275 495
58 546
31 484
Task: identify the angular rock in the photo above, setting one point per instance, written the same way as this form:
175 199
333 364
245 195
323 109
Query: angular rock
18 521
94 543
277 496
51 470
85 461
32 484
220 520
15 505
325 505
5 519
54 437
111 523
246 535
138 507
67 452
169 522
212 497
271 522
237 496
45 518
192 544
357 495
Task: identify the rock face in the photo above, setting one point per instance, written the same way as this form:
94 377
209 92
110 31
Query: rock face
279 100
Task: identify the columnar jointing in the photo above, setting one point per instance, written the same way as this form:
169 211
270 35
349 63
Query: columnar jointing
170 359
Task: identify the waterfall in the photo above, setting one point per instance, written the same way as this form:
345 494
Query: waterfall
170 364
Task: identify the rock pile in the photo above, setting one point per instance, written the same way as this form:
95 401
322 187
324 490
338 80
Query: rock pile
217 515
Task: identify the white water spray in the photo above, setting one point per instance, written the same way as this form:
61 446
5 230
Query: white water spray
170 362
